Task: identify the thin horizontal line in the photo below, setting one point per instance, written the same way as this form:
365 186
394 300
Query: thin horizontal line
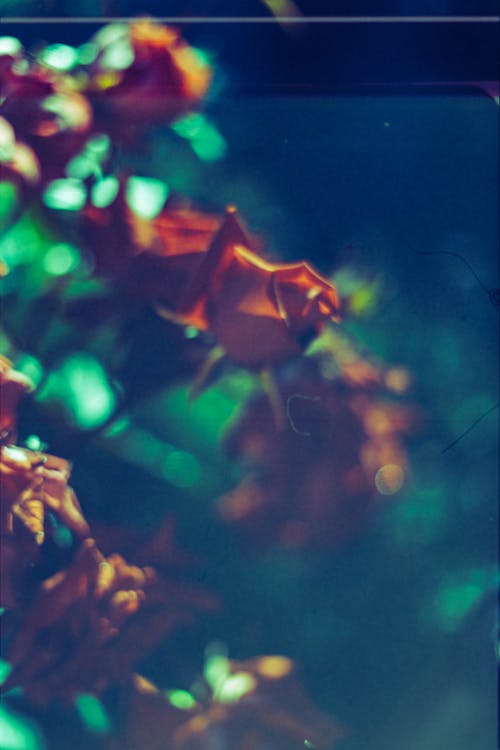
259 19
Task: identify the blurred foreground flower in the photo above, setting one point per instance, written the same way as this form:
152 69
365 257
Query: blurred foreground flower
90 623
143 74
315 480
46 112
257 703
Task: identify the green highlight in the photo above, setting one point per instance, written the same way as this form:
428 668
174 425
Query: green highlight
111 33
22 243
80 167
209 147
364 300
60 259
190 332
92 713
17 734
9 45
117 427
65 195
205 139
181 699
190 126
89 161
60 56
118 56
146 196
82 386
8 199
104 192
62 537
455 602
87 53
99 146
208 416
216 670
455 599
5 670
235 687
34 443
181 469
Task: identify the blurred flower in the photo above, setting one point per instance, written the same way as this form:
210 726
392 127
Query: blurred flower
13 386
46 113
315 480
143 74
256 703
90 623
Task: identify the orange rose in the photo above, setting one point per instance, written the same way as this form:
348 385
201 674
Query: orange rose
260 312
199 270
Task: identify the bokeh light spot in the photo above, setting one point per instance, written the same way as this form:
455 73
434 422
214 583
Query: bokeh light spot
82 386
206 141
80 167
190 126
60 56
34 443
66 194
60 259
111 33
5 670
389 479
274 667
99 146
17 734
119 55
397 379
104 192
9 45
87 53
235 687
146 196
62 537
181 699
216 670
92 713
